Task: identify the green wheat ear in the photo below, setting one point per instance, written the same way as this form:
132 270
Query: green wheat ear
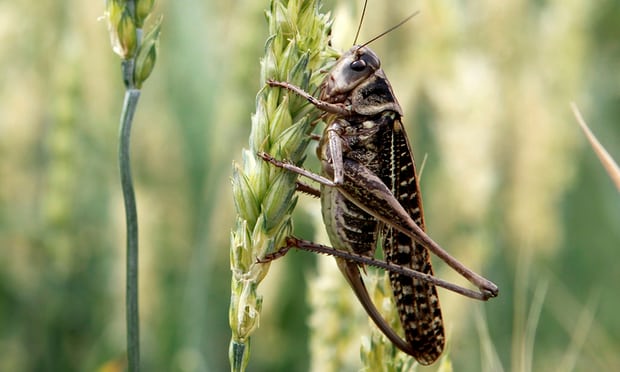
296 50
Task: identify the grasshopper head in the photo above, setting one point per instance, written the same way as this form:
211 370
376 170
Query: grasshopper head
355 66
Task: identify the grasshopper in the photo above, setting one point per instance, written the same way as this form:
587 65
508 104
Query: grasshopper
370 195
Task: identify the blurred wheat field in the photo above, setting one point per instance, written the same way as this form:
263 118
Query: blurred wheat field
510 185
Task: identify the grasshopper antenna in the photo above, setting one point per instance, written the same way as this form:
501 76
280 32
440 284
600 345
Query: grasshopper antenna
388 30
359 26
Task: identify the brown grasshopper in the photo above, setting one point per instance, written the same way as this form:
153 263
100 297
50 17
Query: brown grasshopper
370 195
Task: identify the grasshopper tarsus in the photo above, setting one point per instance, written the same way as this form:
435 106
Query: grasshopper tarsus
270 159
266 157
485 286
299 186
490 290
273 255
295 169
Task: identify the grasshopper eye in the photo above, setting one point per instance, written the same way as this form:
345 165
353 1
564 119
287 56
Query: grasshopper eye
358 65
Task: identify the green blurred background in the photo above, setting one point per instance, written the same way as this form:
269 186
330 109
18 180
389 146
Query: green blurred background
511 187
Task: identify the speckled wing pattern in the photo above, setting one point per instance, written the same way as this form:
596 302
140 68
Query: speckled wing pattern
417 300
